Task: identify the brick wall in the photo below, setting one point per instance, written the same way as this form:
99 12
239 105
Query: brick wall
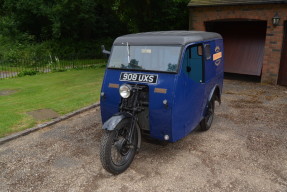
274 35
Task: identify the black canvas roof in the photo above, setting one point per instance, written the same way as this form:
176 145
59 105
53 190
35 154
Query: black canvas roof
200 3
166 38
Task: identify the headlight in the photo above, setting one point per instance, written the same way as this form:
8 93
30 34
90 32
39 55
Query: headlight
125 91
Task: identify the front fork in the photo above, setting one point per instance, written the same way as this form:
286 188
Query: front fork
134 126
132 129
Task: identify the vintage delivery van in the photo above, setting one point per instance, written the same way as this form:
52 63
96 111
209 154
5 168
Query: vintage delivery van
160 85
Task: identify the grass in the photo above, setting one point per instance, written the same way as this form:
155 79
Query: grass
62 92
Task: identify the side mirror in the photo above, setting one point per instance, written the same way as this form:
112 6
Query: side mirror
188 69
104 51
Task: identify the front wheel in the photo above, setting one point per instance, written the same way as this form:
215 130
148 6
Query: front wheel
116 152
206 122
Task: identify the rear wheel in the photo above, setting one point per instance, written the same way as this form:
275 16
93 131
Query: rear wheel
116 152
206 122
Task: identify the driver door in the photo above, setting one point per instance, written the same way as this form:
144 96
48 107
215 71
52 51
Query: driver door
194 86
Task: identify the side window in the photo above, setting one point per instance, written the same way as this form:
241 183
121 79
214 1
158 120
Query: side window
207 51
199 50
193 63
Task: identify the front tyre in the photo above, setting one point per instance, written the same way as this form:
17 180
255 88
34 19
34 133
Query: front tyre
206 122
116 153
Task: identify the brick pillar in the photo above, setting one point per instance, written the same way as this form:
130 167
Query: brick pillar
272 52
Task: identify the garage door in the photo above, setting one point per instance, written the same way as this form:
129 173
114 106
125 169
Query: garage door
243 43
282 79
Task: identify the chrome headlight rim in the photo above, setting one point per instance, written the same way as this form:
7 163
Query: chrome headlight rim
125 91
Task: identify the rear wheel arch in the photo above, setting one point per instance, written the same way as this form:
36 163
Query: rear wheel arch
215 94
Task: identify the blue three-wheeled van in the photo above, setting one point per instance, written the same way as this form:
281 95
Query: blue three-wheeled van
160 85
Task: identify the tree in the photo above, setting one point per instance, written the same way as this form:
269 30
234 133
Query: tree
78 27
55 19
153 15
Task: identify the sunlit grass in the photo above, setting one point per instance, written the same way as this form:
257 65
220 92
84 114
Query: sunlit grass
62 92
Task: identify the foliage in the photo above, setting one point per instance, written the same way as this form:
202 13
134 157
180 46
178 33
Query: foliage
18 53
59 70
67 29
27 72
60 19
153 15
43 20
75 29
69 49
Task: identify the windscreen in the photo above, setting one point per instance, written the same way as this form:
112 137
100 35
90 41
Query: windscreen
150 58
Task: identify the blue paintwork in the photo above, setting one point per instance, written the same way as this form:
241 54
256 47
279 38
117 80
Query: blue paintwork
160 117
187 97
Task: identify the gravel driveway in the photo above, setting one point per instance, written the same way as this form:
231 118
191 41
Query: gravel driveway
245 150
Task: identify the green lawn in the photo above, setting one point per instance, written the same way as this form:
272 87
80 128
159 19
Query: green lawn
62 92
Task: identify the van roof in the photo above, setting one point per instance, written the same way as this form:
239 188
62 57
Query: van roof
166 38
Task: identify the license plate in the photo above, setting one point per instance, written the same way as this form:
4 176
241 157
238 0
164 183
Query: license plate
138 77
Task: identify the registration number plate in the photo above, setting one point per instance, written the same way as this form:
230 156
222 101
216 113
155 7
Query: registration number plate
139 77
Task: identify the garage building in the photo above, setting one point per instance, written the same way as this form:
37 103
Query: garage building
254 32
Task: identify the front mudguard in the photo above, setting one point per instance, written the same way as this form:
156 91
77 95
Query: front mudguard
112 123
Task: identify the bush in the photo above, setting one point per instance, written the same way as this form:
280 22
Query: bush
15 52
67 49
28 72
58 70
18 52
